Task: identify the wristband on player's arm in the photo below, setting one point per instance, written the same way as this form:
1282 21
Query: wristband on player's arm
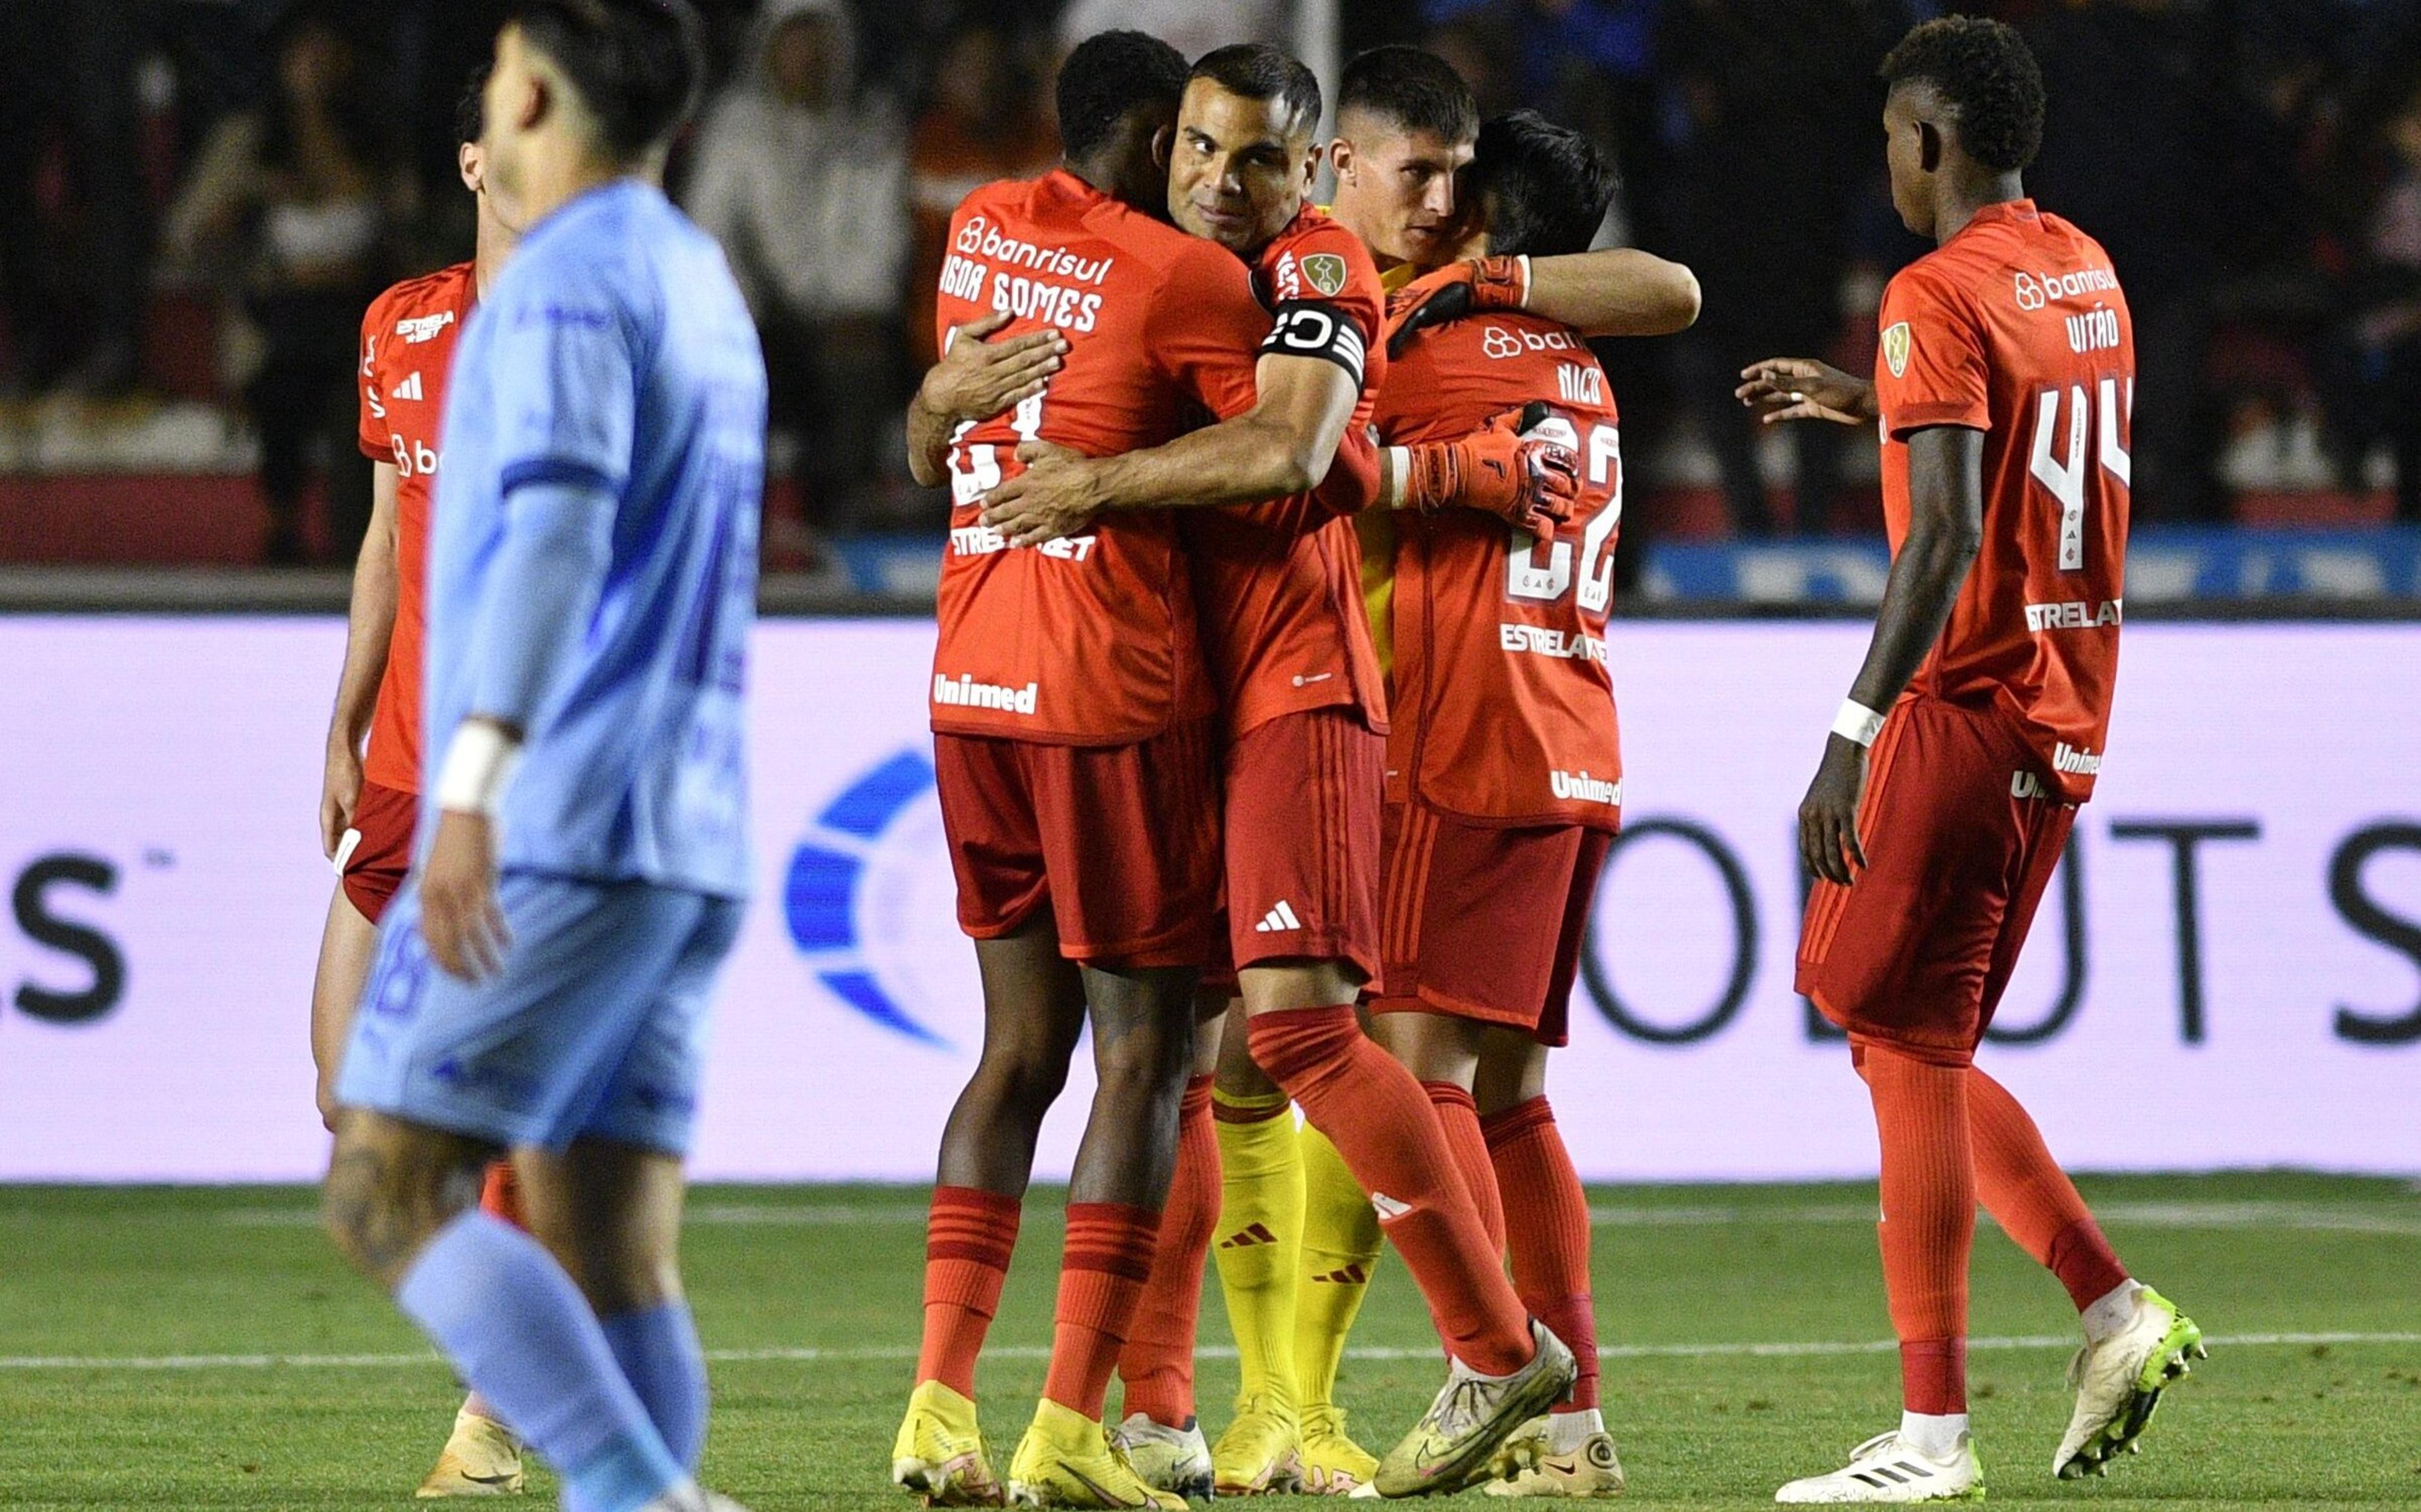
479 764
1857 723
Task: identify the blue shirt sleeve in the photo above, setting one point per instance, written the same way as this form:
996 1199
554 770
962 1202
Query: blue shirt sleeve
564 368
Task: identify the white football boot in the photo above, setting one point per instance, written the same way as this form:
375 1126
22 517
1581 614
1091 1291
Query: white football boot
2119 1382
1173 1460
1884 1469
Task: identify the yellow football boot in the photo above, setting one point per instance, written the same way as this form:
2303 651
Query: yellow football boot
1067 1459
1332 1463
940 1451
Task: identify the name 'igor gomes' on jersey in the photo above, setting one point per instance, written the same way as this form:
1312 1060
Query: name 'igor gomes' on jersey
1090 640
1503 700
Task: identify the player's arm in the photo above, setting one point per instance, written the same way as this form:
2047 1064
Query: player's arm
1945 530
1801 388
1617 291
976 380
1531 485
369 626
1282 446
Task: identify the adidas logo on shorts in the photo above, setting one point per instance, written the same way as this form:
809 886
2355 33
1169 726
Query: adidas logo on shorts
1278 920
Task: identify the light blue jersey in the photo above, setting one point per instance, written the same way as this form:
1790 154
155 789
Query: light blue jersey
613 355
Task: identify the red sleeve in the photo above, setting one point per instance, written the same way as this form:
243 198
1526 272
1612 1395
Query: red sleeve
374 438
1929 369
1205 331
1351 485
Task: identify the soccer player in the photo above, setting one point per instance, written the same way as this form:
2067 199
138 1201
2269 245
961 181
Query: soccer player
1297 1240
1075 750
541 979
1505 763
1304 714
2003 386
367 802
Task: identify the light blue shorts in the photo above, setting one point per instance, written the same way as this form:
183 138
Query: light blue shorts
594 1025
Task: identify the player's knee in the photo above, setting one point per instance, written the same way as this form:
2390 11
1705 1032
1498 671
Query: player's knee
1028 1077
387 1195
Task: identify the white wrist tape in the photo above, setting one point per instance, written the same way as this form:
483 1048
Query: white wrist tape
1524 260
1395 475
479 764
1856 723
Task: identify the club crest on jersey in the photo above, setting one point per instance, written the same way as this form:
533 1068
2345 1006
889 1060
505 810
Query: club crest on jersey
1895 349
1325 272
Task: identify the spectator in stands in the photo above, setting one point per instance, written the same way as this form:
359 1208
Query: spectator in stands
2138 134
72 285
2377 365
290 202
1192 28
984 123
1765 221
803 177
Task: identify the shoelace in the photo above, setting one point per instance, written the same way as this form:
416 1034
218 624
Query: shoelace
1462 1404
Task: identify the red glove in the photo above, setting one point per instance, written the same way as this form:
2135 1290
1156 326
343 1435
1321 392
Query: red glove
1531 485
1453 291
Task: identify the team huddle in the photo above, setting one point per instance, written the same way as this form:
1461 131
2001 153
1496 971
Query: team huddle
1275 728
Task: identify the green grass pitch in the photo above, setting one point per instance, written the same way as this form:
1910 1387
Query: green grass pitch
256 1372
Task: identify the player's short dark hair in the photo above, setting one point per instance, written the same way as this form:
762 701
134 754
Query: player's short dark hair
1110 76
638 65
1546 187
1256 71
1417 90
471 110
1986 75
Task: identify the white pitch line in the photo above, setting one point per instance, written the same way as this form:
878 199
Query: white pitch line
882 1352
2302 1217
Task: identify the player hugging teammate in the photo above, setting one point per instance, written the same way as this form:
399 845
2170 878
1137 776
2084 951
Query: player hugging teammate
1156 702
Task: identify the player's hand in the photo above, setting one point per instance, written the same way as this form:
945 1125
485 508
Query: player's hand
459 917
1059 494
1801 388
978 378
340 790
1828 815
1531 485
1453 291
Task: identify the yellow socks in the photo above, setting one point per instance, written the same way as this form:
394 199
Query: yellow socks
1259 1243
1340 1249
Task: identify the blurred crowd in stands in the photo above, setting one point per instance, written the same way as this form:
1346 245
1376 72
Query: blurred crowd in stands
198 198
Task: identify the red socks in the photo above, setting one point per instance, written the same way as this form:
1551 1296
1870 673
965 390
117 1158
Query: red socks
968 1238
1929 1223
1102 1277
500 1194
1158 1363
2032 1198
1457 1116
1373 1111
1547 1228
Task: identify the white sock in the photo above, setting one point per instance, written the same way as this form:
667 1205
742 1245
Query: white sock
1568 1431
2111 1312
1935 1435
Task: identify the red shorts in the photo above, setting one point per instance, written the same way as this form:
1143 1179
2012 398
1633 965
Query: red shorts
1918 951
380 848
1487 923
1120 841
1302 840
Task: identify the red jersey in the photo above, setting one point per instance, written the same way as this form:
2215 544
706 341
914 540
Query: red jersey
2016 327
1280 583
1091 640
407 347
1502 701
